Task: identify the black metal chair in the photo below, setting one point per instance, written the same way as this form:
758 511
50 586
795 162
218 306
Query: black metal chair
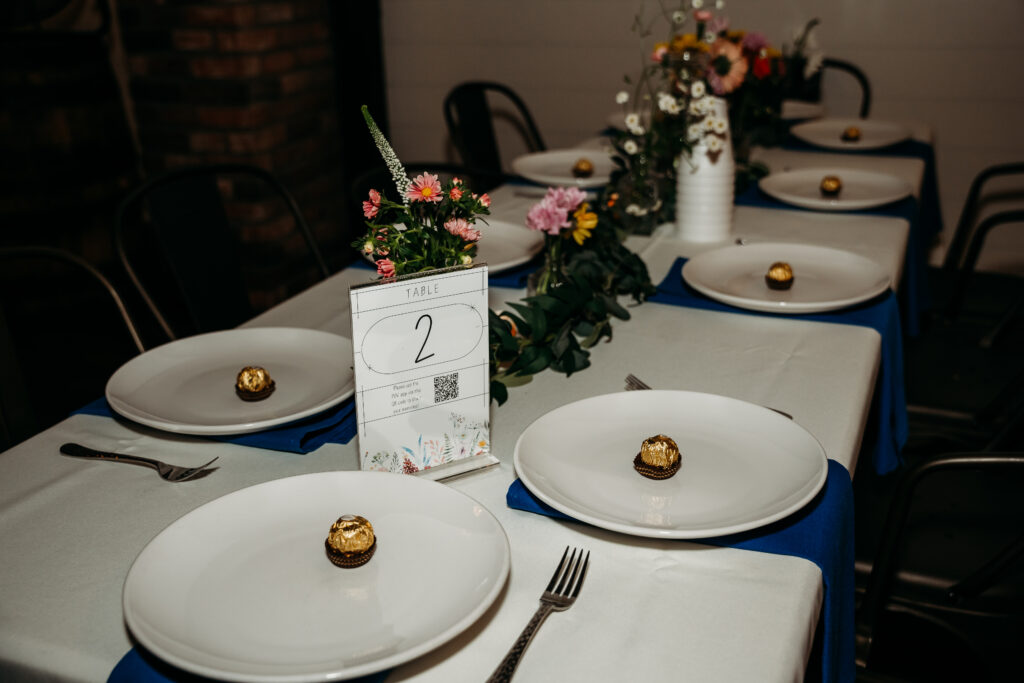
945 597
197 241
965 371
470 119
64 329
809 89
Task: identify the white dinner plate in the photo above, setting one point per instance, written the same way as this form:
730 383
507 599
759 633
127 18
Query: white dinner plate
241 589
188 386
554 167
504 245
824 279
874 134
743 466
860 189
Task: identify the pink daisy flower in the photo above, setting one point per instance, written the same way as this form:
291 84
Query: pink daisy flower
385 267
425 188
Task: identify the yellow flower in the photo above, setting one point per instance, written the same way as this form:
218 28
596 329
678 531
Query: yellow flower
687 41
585 222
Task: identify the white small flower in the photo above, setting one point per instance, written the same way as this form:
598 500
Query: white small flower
674 108
630 147
632 120
465 259
622 97
666 102
697 4
694 132
633 210
714 143
719 4
708 124
678 17
637 130
720 126
698 90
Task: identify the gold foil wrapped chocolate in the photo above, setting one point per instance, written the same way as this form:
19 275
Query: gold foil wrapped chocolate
253 383
831 185
658 457
779 275
584 168
351 541
850 134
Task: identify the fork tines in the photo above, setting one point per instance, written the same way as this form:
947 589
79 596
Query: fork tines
634 383
569 575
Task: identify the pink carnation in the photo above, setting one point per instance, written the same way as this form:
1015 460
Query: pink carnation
462 228
371 207
702 15
455 193
551 214
660 51
485 200
385 267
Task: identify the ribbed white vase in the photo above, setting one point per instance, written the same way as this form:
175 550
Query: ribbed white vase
704 189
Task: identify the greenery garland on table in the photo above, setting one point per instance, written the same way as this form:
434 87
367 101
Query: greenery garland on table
586 266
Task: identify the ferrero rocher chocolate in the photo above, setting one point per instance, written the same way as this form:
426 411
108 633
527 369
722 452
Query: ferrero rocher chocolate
851 134
779 275
253 383
351 542
658 457
831 185
584 168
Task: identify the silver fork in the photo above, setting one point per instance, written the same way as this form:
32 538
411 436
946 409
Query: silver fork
634 383
172 473
557 597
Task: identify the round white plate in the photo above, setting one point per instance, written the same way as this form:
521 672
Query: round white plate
240 589
824 279
188 385
860 189
743 466
554 167
504 245
873 134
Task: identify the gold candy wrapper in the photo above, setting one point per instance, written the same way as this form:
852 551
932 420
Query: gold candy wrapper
351 541
779 275
584 168
658 457
253 383
831 185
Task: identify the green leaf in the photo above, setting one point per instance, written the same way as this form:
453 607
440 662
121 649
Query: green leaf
499 393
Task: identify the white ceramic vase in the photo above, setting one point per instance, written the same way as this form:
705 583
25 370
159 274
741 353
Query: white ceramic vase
704 188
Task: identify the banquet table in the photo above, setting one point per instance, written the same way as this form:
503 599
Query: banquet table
650 609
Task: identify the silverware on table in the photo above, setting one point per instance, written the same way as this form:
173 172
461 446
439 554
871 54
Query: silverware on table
557 597
172 473
634 383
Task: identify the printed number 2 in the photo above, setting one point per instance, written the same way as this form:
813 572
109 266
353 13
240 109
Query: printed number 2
430 324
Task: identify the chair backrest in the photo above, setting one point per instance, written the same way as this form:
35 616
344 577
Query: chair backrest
198 277
470 120
809 89
955 599
64 329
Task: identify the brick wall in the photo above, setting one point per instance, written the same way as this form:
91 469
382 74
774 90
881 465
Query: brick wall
244 82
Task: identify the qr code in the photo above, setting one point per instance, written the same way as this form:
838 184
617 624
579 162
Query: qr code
446 387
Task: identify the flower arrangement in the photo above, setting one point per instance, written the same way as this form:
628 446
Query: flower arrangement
563 214
574 296
432 227
674 104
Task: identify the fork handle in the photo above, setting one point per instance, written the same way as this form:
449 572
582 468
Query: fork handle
78 451
508 665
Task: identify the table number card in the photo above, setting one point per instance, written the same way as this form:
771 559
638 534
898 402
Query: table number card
420 346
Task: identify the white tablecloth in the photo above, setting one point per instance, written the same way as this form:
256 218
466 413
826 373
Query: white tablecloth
650 610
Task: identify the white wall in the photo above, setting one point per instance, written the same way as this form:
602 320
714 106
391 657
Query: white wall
956 65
